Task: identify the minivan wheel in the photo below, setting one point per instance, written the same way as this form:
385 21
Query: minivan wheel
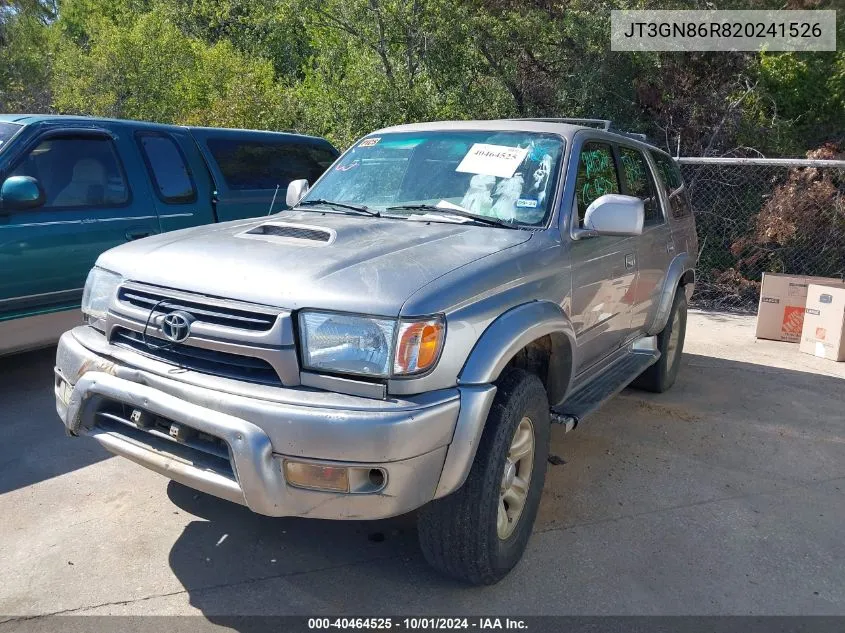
478 533
661 376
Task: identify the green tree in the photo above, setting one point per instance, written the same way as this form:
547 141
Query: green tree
343 67
800 103
148 69
25 56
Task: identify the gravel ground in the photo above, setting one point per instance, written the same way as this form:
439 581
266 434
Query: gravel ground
725 495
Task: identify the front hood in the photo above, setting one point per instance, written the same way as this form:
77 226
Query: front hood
368 265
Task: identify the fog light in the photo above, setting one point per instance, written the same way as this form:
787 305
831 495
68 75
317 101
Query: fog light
316 476
376 478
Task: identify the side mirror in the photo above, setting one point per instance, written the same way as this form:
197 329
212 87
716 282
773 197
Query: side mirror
615 214
19 193
296 190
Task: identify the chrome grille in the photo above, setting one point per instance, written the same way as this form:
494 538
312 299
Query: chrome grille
205 312
206 361
228 338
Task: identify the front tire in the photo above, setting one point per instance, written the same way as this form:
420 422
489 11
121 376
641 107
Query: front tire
661 376
478 533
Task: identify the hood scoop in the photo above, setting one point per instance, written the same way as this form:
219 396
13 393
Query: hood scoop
287 233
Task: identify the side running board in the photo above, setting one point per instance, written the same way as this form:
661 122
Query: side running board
600 389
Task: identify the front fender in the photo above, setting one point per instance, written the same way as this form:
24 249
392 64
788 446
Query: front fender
509 333
499 343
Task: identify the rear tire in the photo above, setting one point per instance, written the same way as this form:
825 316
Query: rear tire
465 535
661 376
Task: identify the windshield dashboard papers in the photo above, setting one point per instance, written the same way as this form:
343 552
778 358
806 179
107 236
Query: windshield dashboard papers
492 160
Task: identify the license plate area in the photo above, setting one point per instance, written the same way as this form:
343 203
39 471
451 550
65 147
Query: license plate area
166 436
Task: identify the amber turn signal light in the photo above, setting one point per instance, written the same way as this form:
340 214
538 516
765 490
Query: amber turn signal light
418 346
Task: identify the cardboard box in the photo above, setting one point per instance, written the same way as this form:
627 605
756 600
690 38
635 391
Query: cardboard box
824 322
780 316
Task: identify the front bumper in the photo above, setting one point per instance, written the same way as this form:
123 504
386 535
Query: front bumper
425 444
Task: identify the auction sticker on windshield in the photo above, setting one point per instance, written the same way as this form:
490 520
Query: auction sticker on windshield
492 160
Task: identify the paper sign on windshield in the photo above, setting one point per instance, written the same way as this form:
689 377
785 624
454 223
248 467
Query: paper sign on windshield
492 160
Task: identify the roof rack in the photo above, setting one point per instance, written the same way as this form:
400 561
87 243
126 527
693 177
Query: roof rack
604 124
635 135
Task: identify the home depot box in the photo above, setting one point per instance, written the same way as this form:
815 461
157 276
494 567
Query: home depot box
824 322
782 301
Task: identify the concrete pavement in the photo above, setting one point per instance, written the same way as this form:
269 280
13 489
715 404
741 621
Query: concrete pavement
725 495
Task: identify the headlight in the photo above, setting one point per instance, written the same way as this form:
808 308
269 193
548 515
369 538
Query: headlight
100 287
369 346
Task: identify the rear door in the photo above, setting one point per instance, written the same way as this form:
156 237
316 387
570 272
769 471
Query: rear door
178 177
678 205
46 252
252 170
655 248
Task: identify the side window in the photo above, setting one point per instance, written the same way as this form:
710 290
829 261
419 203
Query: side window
258 165
7 131
597 176
640 184
167 168
76 172
670 178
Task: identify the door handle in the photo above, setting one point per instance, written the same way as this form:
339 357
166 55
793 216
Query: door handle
137 235
630 261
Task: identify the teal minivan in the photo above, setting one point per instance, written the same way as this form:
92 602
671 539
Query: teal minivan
73 187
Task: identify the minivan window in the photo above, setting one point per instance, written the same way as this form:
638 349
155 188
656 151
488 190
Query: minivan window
506 175
670 177
76 172
266 165
640 184
7 131
597 176
167 168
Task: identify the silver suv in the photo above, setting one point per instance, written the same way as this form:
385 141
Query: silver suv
402 337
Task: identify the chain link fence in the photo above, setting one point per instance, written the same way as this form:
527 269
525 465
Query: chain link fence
757 215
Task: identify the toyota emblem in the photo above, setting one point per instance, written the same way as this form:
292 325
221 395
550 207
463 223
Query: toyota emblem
176 326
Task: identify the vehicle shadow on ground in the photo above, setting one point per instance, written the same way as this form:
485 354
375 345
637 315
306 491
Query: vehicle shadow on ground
33 443
660 452
229 548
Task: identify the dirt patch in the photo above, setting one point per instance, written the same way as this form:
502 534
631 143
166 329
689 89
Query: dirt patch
657 409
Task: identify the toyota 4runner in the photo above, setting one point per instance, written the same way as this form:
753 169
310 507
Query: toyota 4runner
402 337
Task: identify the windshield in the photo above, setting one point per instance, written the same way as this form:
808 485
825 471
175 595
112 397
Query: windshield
7 131
508 176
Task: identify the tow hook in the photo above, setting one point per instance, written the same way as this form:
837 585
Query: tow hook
568 422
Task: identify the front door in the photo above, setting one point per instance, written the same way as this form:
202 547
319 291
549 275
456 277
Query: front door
604 268
46 252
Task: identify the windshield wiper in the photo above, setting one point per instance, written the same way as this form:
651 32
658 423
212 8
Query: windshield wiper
360 208
482 219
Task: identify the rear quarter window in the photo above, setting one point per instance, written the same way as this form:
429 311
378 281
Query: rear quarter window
266 165
670 177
